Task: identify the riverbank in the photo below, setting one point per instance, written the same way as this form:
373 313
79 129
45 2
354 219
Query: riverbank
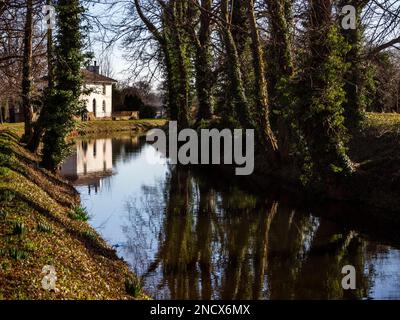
375 151
104 127
99 126
42 223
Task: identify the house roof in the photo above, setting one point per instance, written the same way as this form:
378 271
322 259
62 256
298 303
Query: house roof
91 77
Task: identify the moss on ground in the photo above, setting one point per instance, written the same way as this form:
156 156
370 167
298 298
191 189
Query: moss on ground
36 229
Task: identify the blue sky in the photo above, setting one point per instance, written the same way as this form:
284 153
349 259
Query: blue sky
118 63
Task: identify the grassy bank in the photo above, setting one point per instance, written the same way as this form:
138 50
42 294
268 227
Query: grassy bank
376 150
41 224
98 126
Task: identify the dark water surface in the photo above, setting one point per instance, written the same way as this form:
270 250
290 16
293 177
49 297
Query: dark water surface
189 239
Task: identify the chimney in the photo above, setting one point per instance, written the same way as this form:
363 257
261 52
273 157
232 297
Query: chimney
95 68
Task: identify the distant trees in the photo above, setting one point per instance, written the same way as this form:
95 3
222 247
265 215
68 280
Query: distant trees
22 56
383 83
138 97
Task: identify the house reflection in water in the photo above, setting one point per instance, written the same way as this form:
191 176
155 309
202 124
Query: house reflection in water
91 163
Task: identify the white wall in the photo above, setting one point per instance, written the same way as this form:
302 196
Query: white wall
88 159
97 93
96 158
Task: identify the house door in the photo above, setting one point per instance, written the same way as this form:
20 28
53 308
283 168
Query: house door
94 108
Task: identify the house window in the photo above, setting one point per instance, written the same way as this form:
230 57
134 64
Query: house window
104 106
84 147
94 108
104 89
95 149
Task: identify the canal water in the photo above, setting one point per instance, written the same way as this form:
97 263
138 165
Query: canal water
192 236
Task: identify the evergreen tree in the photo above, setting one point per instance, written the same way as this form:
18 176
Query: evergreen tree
63 101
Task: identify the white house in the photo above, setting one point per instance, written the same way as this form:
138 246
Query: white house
99 100
91 163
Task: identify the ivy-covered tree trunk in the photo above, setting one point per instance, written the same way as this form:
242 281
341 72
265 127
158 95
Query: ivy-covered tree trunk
239 27
63 102
203 63
323 96
355 76
27 71
261 95
38 127
280 70
173 105
237 91
178 53
280 50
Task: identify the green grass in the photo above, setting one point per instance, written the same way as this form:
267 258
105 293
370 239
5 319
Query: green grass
133 286
16 128
105 126
18 254
383 119
19 228
44 227
79 214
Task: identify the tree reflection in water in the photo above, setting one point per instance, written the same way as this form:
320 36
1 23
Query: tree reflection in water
191 240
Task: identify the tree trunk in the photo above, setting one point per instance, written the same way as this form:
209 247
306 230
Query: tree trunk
179 51
202 63
27 70
280 70
355 78
322 116
50 54
38 128
1 114
237 91
261 94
